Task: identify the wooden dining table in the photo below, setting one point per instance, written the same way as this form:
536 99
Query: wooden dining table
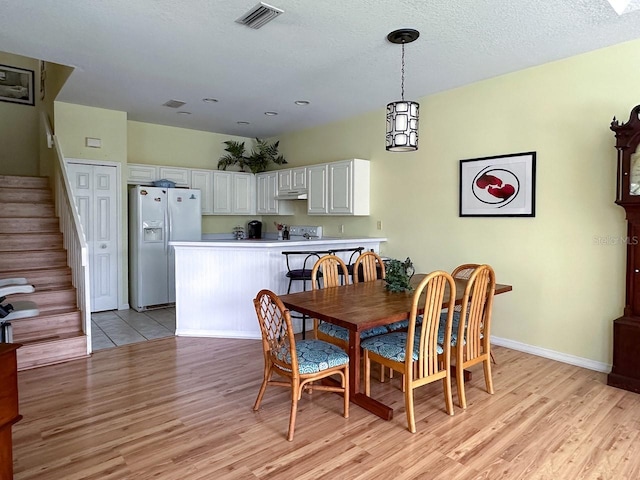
360 307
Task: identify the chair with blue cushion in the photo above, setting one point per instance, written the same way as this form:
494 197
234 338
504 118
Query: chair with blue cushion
473 325
352 252
326 274
299 363
418 354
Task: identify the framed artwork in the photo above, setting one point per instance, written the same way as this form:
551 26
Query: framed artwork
500 186
16 85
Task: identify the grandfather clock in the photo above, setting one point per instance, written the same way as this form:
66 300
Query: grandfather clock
626 329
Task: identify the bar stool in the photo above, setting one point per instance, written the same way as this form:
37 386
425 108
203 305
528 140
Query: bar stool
355 253
302 275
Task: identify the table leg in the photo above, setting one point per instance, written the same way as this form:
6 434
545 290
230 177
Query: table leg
360 399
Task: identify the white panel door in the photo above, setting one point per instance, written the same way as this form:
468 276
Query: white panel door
222 193
244 194
340 188
94 190
317 184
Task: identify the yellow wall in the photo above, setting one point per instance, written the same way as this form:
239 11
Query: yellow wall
19 126
567 275
567 285
76 122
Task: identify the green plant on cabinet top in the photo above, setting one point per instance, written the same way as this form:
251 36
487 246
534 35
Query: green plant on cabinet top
261 156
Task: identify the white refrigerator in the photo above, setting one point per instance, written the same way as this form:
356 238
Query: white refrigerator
158 216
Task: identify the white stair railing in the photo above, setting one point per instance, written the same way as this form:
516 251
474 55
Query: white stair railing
74 239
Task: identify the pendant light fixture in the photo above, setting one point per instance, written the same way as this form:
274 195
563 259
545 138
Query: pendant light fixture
402 116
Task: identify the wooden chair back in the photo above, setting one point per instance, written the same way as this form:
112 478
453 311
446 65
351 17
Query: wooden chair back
371 265
278 341
329 266
463 272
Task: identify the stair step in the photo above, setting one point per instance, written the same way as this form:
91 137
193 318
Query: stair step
30 241
57 349
25 195
16 181
36 328
49 301
19 210
47 278
32 260
29 225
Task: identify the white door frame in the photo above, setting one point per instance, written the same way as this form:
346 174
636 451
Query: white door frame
123 302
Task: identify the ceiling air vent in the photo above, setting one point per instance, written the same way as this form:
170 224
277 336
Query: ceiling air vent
173 104
259 15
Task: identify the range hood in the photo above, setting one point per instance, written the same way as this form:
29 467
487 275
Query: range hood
292 195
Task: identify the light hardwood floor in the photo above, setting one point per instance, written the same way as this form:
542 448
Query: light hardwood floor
181 408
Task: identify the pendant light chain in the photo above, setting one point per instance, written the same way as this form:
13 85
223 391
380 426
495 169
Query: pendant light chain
402 83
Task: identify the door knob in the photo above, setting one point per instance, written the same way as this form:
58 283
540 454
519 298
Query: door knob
104 245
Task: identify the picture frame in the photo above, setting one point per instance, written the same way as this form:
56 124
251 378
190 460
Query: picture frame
498 186
16 85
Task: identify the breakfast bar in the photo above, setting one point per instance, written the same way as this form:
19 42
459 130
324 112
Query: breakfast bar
217 280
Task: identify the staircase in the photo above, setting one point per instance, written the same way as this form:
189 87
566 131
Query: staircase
31 246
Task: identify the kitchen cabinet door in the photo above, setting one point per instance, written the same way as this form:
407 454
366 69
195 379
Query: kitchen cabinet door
266 191
244 194
284 180
298 178
141 174
317 203
349 187
181 176
222 193
203 181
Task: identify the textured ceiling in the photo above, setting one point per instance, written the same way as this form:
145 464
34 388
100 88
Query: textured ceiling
134 55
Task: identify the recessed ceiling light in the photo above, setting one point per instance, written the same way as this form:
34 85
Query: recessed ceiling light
210 100
270 114
302 102
183 113
242 123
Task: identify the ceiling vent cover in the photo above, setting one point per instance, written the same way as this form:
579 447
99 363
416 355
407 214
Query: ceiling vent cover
173 104
259 15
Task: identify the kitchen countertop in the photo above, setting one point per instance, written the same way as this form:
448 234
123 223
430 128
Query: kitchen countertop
274 242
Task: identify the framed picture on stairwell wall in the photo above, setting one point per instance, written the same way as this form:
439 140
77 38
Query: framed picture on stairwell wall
499 186
16 85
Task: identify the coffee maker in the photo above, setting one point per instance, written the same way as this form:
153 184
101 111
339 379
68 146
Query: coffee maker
254 229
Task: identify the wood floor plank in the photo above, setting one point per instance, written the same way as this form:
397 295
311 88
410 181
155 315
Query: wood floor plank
181 408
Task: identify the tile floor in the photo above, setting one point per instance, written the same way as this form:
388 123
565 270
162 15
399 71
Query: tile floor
122 327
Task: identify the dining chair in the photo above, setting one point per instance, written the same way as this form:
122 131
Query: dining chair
353 252
326 274
473 326
301 362
368 267
308 258
422 354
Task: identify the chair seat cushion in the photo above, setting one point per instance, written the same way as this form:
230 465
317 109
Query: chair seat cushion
342 333
402 324
393 345
301 274
315 356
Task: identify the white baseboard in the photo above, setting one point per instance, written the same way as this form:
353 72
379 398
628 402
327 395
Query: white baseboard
552 354
218 334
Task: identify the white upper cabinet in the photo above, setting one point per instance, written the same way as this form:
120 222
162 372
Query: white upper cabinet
203 181
266 191
141 174
292 179
339 188
317 203
181 176
233 193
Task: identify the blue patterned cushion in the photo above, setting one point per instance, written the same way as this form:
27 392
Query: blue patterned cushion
402 324
315 356
392 346
342 333
454 328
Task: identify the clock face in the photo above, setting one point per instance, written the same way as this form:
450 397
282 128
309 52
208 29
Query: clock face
634 181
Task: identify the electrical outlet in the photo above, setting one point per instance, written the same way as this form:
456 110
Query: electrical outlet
341 228
379 224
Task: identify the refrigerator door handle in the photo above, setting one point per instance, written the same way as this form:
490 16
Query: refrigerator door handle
167 222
